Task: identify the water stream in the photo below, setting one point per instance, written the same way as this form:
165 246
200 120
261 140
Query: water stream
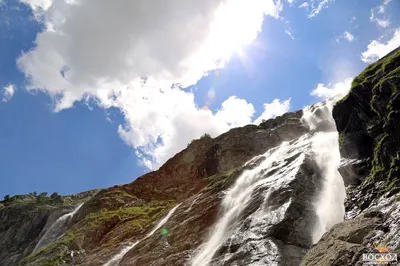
114 261
56 230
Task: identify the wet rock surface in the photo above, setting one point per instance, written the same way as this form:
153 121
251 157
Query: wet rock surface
370 167
275 230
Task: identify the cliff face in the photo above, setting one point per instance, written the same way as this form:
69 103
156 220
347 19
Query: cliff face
255 195
368 122
197 178
24 219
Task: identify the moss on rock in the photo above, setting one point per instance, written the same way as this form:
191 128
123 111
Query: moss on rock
369 115
103 228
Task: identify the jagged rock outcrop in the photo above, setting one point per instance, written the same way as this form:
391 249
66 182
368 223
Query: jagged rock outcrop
368 122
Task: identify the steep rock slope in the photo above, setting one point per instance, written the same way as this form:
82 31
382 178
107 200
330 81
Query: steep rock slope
368 121
195 177
24 220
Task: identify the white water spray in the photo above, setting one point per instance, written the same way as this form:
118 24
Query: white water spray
55 230
238 197
193 202
329 205
117 258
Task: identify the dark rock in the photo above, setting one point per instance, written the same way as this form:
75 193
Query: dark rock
367 120
354 171
342 244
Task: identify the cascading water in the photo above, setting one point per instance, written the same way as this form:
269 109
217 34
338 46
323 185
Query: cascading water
117 258
193 202
330 204
56 230
256 203
238 197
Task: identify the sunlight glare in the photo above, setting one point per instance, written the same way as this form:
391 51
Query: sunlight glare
236 25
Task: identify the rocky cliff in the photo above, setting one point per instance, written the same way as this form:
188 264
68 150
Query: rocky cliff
25 218
368 121
256 195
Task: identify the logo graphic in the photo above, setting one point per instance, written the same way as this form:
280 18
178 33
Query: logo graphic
382 248
383 257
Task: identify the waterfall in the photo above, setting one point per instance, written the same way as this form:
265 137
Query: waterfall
193 202
276 172
56 230
117 258
330 204
238 197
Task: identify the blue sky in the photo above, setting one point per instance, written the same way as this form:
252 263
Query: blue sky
74 117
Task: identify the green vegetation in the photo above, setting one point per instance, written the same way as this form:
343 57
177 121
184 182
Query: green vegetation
341 139
40 199
104 228
377 167
221 181
140 215
375 73
204 136
56 197
51 256
43 199
383 77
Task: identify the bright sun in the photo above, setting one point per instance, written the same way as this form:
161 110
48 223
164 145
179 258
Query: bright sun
236 24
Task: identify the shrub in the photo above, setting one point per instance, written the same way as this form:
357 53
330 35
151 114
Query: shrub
42 197
56 198
205 136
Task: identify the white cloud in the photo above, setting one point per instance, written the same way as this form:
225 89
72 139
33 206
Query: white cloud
35 5
289 34
315 10
382 8
304 5
376 49
177 122
273 109
382 22
132 59
337 90
235 112
8 92
39 7
348 36
314 7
